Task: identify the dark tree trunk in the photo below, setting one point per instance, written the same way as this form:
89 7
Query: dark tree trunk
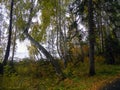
9 37
1 68
91 39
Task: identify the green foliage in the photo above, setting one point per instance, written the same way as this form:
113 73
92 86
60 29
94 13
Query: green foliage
9 71
33 51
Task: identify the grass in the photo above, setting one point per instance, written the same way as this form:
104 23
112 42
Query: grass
33 75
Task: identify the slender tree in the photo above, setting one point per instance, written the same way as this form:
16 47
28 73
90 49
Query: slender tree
9 36
91 38
14 45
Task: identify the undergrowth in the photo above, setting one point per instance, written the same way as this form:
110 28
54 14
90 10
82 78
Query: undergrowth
40 75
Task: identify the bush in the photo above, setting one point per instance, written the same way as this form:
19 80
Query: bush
8 70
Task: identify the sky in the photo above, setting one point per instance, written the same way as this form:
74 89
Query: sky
22 51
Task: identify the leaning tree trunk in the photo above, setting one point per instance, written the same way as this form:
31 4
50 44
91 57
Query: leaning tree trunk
46 53
40 47
9 37
91 39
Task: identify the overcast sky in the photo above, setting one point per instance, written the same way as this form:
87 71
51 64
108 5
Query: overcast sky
22 51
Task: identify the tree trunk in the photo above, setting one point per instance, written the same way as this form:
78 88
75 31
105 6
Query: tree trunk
9 37
40 47
91 39
82 53
14 45
47 54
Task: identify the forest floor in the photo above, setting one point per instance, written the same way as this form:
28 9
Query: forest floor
31 75
114 85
